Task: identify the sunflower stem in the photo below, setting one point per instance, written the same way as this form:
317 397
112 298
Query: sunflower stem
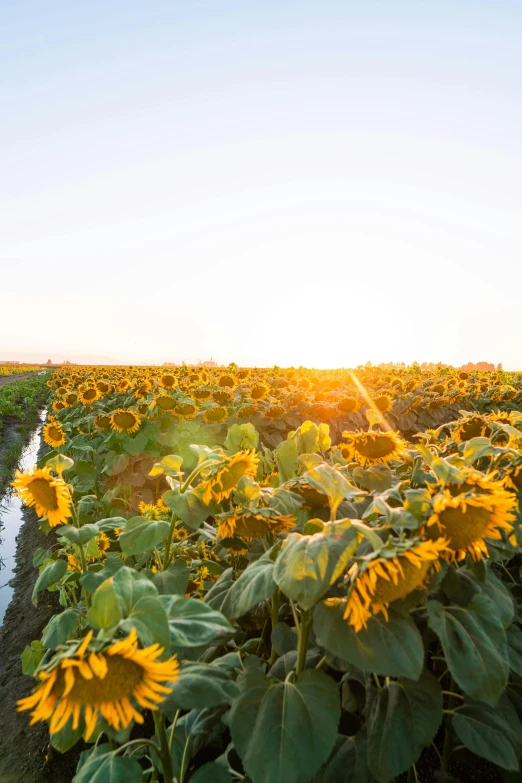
172 731
83 559
168 542
164 752
302 645
448 736
274 616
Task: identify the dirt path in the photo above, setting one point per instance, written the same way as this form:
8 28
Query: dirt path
5 379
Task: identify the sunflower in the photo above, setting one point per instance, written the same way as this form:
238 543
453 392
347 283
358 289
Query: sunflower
70 399
102 422
49 495
123 385
472 427
167 381
225 480
514 478
142 389
164 402
201 394
58 406
247 411
376 583
186 410
88 396
102 387
53 434
467 519
383 402
111 683
242 375
372 447
348 404
125 421
148 510
215 415
222 395
246 525
259 391
226 381
275 412
103 542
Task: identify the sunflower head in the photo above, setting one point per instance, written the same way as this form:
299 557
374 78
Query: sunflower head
167 381
164 402
58 406
227 381
47 494
53 434
349 404
369 448
186 410
70 399
383 402
88 396
115 682
215 415
225 478
259 391
222 395
395 573
472 427
125 421
102 422
247 525
201 394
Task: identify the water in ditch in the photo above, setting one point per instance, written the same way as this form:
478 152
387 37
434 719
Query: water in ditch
11 521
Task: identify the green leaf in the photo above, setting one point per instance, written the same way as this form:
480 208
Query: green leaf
514 640
39 555
79 535
188 507
492 733
217 594
475 646
193 624
51 574
254 586
446 472
284 731
105 611
200 685
135 444
286 459
108 768
391 648
332 483
59 628
284 638
211 773
174 580
475 448
241 436
377 478
501 597
347 761
111 523
141 535
32 656
132 585
171 465
67 737
308 565
60 463
149 618
402 718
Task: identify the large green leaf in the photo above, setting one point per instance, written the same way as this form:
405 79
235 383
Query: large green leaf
79 535
132 585
286 459
284 731
108 768
217 595
193 623
59 627
200 685
174 580
254 586
332 483
51 574
501 597
188 506
390 647
105 611
514 639
475 646
402 718
211 773
308 565
149 618
348 761
142 535
491 732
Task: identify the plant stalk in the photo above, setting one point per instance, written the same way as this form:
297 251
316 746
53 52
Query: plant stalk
164 753
302 647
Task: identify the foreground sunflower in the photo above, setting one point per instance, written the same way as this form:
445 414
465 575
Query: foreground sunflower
369 448
125 421
472 427
375 584
49 495
467 519
53 434
109 683
246 525
226 478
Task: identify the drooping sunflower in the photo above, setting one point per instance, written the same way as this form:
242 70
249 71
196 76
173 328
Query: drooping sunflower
259 391
227 381
247 525
186 410
167 381
142 389
226 478
222 395
369 448
102 422
472 427
201 394
49 495
125 420
88 396
275 412
348 404
466 519
376 583
53 434
383 402
215 415
164 402
113 683
242 375
123 384
247 411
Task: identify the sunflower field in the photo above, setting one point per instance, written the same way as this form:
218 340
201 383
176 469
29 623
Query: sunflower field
280 576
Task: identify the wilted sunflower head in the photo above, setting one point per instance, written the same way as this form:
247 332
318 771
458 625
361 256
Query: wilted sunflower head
125 420
53 435
369 448
246 525
114 682
247 411
227 381
222 395
48 495
274 412
186 410
392 575
164 402
201 394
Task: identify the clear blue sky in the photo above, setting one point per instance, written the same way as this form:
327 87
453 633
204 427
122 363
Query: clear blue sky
319 183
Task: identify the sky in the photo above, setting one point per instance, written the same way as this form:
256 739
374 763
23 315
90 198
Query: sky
293 183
